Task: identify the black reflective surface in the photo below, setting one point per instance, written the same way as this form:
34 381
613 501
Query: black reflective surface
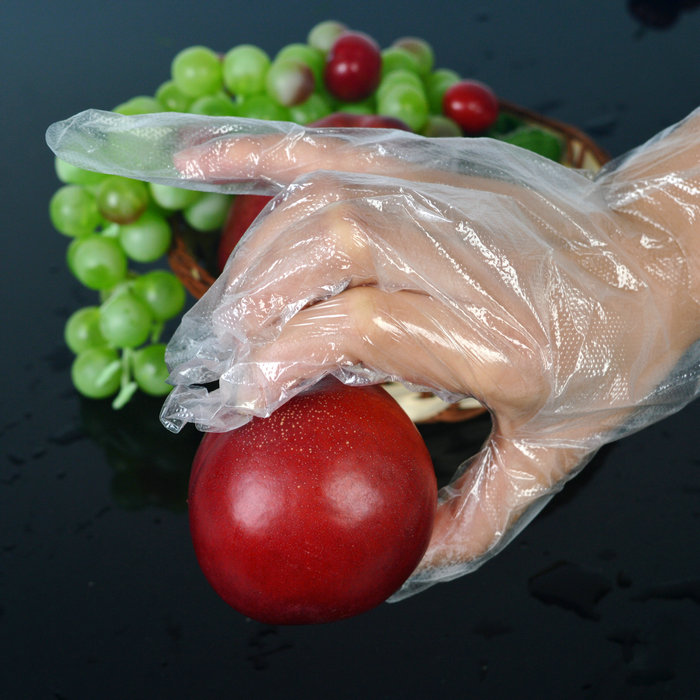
100 595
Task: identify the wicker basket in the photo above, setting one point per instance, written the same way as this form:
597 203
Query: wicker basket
580 151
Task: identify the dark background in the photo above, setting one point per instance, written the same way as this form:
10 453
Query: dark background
100 594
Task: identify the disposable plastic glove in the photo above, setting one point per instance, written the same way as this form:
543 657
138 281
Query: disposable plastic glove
567 304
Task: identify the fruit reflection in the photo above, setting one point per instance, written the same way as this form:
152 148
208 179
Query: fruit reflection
151 465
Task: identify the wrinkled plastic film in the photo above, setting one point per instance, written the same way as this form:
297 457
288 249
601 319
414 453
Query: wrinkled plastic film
190 150
564 302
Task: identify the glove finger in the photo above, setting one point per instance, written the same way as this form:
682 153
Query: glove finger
363 335
331 233
283 157
324 239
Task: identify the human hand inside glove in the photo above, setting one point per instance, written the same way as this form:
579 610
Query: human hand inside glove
565 303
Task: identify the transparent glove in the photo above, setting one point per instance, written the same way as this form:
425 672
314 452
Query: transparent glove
566 303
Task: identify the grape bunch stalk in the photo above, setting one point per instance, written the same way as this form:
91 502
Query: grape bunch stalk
120 226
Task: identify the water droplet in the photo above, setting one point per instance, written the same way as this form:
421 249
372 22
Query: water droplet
67 436
491 628
570 587
675 590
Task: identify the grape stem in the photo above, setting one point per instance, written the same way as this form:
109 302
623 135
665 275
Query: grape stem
108 372
110 231
158 327
128 386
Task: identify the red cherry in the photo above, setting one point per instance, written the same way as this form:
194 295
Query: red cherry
472 105
353 67
243 211
317 513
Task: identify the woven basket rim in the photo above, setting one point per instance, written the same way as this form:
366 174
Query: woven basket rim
570 132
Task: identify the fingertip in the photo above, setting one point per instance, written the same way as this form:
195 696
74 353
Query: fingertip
189 163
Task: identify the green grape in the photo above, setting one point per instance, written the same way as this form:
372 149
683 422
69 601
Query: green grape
262 107
172 98
125 321
395 58
289 82
197 71
421 50
440 126
436 85
121 199
366 106
219 105
308 55
162 292
244 70
405 102
73 211
142 104
146 239
316 107
323 35
504 124
209 212
82 330
96 372
150 370
398 77
73 175
97 261
172 198
545 143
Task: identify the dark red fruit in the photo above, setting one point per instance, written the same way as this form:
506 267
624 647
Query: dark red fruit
377 121
317 513
345 120
339 120
353 67
472 105
243 211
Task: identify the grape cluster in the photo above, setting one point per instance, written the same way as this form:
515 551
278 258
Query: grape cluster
339 77
336 71
114 224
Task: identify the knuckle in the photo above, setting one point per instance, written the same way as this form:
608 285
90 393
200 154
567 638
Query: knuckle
360 305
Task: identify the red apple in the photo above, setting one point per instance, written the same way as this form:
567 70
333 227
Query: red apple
348 120
317 513
243 211
340 120
379 121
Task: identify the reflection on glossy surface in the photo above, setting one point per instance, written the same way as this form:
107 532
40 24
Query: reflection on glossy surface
255 502
570 587
151 466
351 495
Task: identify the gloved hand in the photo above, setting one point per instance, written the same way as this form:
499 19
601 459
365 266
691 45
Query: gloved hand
567 304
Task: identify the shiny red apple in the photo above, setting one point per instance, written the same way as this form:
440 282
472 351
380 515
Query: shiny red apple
243 212
317 513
